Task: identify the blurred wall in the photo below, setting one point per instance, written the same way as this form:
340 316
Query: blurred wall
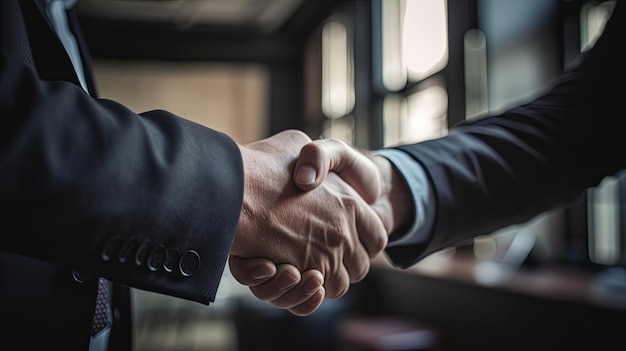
231 98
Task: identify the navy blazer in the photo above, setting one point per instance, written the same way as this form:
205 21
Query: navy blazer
92 189
505 169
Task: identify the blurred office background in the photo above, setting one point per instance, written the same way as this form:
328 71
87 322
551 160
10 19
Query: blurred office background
377 73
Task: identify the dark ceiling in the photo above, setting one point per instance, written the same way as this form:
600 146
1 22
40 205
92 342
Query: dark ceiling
232 30
260 15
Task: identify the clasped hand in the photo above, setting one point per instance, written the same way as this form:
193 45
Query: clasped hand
298 244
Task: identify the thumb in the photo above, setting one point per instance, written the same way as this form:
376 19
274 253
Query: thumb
319 157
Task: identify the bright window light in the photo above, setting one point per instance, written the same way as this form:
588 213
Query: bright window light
417 117
425 37
414 40
337 71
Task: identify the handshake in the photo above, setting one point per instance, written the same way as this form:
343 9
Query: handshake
314 214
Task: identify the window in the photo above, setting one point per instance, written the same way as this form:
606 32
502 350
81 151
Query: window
338 91
413 50
603 201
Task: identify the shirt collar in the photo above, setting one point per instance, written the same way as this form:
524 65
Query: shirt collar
67 3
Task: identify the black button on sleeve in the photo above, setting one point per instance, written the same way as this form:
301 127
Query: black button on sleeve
189 263
142 253
111 248
157 258
80 276
172 259
127 250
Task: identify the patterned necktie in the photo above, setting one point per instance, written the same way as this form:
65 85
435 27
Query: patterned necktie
102 316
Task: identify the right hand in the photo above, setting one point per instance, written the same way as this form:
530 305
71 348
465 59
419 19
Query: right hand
372 176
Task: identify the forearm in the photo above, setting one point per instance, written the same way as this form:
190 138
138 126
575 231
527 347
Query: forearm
87 170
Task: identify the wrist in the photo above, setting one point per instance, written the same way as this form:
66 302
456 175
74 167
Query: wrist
395 196
246 222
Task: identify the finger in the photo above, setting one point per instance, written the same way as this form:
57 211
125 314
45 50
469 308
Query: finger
312 280
310 305
319 157
287 277
336 290
251 271
312 165
337 281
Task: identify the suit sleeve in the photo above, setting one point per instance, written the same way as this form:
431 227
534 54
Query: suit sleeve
505 169
148 200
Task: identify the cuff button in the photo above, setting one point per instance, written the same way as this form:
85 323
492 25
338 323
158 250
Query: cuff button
157 257
189 263
172 259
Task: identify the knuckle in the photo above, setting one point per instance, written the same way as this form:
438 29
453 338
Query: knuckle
314 148
300 134
337 143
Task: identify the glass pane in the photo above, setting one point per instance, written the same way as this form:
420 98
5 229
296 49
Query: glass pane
337 71
475 54
414 40
420 116
425 37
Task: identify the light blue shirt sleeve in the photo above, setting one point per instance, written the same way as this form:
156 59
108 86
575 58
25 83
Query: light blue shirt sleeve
424 205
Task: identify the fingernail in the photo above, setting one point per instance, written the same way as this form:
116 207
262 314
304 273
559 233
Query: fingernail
261 272
311 286
285 282
306 175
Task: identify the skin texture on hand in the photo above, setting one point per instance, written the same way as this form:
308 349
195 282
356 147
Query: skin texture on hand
330 229
374 177
283 285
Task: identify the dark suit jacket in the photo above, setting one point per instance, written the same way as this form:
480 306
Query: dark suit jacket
91 189
507 168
